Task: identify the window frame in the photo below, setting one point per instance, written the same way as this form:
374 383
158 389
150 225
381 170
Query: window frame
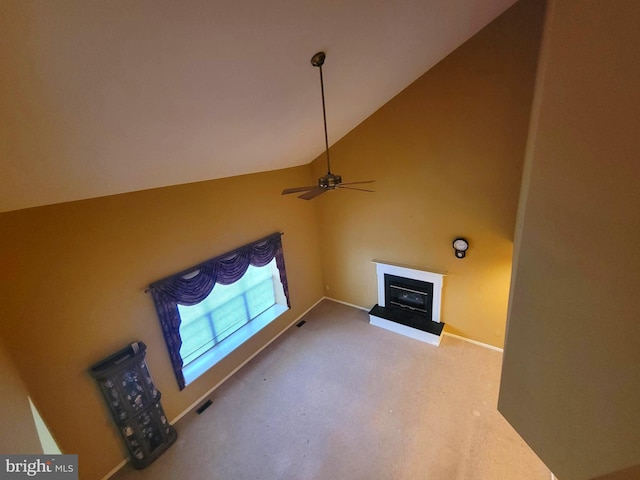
194 284
251 326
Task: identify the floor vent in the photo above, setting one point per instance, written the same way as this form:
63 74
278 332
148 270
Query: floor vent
203 407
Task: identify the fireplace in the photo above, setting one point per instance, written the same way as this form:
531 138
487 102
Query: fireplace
408 302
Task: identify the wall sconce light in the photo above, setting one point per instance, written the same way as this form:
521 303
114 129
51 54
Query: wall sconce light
460 245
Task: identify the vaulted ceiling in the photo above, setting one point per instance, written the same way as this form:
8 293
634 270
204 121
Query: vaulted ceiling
99 98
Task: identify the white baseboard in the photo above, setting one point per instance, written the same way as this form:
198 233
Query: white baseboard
115 470
346 303
475 342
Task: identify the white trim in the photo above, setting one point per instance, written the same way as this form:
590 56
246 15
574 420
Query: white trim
115 470
346 303
475 342
409 267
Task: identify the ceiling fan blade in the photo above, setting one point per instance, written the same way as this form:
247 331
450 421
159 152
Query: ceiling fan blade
355 183
297 189
313 193
353 188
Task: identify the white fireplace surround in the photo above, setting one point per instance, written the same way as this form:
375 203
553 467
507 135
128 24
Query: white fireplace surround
435 278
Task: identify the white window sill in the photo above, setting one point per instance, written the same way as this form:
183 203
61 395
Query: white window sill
229 344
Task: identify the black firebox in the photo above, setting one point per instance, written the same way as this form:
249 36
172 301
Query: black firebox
407 294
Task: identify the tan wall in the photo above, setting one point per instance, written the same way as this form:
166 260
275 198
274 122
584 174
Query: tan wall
74 276
447 155
19 433
571 374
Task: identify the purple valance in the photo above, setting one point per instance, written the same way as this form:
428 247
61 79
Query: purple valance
193 285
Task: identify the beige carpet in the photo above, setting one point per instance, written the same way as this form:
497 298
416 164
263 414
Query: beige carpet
340 399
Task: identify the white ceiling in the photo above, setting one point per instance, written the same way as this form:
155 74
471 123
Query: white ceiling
106 97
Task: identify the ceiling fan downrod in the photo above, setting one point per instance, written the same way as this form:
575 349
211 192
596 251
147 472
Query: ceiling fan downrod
329 181
317 61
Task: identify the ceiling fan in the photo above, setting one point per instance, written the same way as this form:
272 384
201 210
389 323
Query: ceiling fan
328 181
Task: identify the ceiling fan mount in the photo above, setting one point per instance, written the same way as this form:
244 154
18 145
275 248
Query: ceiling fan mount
328 181
318 59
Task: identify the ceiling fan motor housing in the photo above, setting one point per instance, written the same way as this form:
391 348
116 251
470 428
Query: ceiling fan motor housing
330 181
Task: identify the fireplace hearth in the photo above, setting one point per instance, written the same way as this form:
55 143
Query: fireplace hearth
408 302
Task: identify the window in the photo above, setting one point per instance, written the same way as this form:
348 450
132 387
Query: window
224 311
213 328
210 309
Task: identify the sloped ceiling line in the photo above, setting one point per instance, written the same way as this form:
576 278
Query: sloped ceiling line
106 98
